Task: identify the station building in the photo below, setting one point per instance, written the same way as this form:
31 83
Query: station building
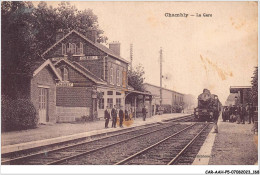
92 77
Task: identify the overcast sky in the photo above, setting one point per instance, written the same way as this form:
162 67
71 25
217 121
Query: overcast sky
199 52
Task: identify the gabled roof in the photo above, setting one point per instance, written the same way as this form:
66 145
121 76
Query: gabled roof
148 84
43 65
87 71
98 45
83 71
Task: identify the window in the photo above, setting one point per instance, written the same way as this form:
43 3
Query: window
109 92
73 50
124 79
118 102
111 76
117 77
101 103
64 74
118 93
59 71
63 49
110 103
69 47
80 49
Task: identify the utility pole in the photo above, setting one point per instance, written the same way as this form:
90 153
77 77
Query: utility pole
131 57
161 76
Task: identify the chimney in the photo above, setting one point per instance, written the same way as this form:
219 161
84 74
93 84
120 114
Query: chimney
115 47
59 34
91 34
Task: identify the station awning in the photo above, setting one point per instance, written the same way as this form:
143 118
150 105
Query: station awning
236 89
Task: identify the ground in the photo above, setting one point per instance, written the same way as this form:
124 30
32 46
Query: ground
63 129
235 144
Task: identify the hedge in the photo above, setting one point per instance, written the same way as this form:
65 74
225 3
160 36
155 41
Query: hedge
18 114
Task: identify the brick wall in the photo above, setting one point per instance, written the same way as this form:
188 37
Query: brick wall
94 66
69 114
73 97
44 78
75 76
72 103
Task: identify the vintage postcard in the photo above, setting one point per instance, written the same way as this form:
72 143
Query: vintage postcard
130 83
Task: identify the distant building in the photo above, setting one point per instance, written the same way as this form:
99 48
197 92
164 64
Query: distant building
169 97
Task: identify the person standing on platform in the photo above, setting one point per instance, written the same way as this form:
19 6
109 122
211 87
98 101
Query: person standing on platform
126 114
216 112
107 117
243 113
121 116
250 114
144 112
114 116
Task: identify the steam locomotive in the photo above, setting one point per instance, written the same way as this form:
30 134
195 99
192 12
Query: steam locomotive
207 104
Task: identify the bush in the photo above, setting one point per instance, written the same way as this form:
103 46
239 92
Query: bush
18 114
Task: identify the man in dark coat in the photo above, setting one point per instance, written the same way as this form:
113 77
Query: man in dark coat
144 112
243 113
107 117
121 116
126 114
250 113
114 116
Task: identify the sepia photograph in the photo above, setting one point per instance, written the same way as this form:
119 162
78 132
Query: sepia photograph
130 83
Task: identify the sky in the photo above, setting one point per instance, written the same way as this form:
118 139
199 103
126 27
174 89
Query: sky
198 52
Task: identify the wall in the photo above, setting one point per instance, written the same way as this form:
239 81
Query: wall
116 65
72 103
168 97
44 78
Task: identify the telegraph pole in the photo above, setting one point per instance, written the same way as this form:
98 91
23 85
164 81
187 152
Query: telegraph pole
160 76
131 57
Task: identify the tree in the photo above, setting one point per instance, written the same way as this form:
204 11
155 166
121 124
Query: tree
254 92
136 78
28 31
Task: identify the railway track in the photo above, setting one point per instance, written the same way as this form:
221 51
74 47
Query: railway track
169 150
70 151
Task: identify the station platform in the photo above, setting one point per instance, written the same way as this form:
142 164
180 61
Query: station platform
60 132
234 144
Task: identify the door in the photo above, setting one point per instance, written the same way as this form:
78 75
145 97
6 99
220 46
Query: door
43 104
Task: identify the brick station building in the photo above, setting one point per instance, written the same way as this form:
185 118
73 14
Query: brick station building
92 76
